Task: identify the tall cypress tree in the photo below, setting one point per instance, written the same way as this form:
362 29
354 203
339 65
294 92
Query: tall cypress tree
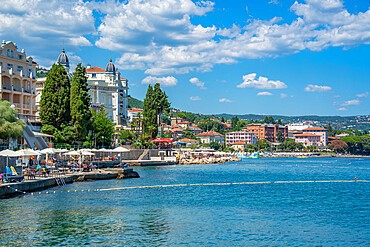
55 98
80 104
149 111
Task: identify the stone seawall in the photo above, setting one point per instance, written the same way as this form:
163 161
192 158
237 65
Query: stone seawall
13 189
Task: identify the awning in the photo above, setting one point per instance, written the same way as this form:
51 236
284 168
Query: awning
41 134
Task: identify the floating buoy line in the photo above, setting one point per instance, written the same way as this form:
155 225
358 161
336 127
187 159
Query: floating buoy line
200 184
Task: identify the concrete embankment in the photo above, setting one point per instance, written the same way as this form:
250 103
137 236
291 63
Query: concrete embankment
13 189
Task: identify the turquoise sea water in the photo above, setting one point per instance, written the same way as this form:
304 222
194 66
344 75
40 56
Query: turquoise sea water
275 214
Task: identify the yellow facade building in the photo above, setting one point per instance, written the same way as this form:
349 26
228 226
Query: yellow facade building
17 78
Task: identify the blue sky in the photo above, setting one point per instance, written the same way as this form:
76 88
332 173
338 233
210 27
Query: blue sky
253 56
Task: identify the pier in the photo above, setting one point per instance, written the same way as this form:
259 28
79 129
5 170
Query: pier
13 189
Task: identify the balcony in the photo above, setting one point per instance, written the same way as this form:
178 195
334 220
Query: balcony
7 88
25 106
17 105
17 89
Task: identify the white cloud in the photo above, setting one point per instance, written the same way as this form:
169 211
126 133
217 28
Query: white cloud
363 95
161 38
283 95
261 83
342 109
264 94
224 100
195 98
168 81
43 27
274 2
166 32
351 102
197 82
317 88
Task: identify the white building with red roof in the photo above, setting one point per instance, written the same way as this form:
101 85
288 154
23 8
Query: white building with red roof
189 142
308 139
107 88
322 132
210 136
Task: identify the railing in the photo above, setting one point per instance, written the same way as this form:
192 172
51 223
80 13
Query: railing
7 88
17 89
26 106
17 105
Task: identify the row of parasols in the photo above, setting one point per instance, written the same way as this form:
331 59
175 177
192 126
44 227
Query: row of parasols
47 151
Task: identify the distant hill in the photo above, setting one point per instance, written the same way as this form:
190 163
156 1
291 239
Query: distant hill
288 118
135 103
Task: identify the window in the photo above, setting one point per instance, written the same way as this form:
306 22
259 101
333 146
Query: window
93 75
103 99
19 68
8 53
11 54
9 66
20 57
28 101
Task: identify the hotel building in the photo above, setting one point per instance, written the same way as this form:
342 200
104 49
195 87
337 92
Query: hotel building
109 89
267 131
322 132
106 88
17 78
238 136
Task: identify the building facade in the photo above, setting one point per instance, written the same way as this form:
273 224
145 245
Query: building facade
322 132
308 139
210 136
237 136
17 78
267 131
107 88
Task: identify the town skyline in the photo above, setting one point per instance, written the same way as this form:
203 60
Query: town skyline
262 57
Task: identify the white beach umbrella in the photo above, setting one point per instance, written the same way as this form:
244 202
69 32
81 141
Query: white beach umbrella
8 153
87 153
27 152
120 150
71 153
50 151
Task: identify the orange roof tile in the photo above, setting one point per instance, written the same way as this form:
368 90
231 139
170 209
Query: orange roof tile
315 129
307 135
239 143
185 122
209 133
95 69
188 140
177 130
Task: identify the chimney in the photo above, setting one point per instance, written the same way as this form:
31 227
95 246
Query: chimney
88 66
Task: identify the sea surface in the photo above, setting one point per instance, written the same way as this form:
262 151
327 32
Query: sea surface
203 211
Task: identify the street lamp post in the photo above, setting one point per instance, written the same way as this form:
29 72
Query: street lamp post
102 141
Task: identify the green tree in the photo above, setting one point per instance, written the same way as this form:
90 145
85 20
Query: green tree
365 141
103 127
234 122
269 120
215 145
10 126
80 104
150 111
331 130
279 136
187 133
338 145
279 122
126 135
55 98
223 120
